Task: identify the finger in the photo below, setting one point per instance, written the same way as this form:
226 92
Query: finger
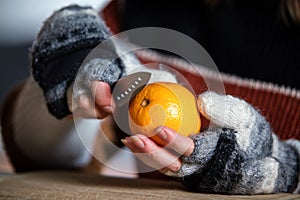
102 95
172 140
152 154
86 108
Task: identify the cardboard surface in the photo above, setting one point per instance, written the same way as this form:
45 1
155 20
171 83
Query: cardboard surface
76 185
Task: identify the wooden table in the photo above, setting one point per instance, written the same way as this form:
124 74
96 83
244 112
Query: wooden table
75 185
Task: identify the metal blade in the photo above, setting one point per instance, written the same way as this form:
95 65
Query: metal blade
127 87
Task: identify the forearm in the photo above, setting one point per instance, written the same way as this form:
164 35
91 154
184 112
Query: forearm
248 158
230 170
45 139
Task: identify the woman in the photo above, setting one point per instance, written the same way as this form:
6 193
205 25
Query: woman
241 155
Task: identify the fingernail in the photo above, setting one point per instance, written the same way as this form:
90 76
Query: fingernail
125 142
137 142
107 109
162 134
81 98
84 101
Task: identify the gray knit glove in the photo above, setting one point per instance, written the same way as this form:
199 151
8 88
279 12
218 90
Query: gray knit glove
63 43
241 154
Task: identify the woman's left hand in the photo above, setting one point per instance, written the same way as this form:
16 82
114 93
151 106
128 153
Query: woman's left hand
164 157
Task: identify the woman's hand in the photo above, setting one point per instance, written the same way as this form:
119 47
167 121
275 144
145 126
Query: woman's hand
223 111
101 104
164 158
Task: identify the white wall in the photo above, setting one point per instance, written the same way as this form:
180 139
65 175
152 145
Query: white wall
20 19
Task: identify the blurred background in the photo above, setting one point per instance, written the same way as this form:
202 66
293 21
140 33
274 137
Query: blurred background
19 23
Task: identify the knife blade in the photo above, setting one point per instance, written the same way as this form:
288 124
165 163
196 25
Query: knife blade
125 88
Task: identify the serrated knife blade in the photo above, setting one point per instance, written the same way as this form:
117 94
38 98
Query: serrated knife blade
125 88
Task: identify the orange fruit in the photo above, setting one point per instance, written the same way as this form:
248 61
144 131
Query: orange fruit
164 104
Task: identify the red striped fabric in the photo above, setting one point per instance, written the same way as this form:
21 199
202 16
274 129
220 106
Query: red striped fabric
280 105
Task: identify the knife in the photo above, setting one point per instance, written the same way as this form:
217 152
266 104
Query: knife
126 88
122 91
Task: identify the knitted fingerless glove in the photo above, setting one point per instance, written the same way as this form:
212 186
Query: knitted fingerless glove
62 44
245 157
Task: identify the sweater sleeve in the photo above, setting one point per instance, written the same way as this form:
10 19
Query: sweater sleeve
243 157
